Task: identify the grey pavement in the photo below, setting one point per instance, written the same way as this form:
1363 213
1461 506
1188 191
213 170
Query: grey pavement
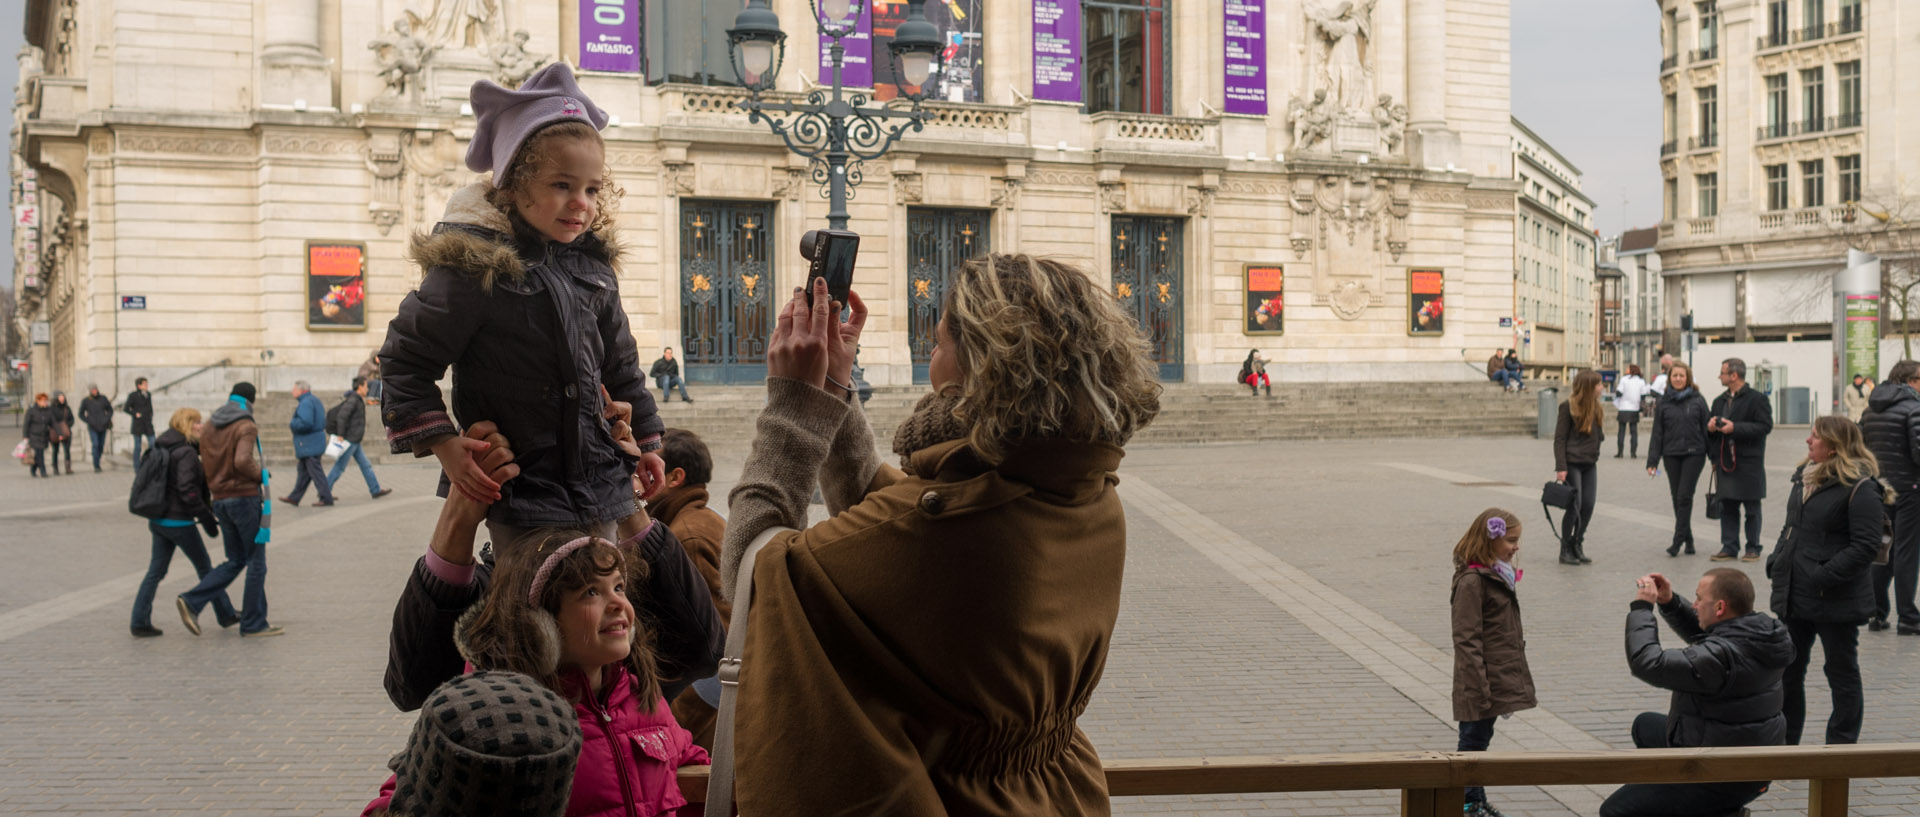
1279 598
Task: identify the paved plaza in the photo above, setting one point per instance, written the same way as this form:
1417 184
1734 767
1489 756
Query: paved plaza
1280 598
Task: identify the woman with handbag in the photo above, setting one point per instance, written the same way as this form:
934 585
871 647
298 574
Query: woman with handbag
39 432
60 437
879 678
1835 518
1577 435
1679 443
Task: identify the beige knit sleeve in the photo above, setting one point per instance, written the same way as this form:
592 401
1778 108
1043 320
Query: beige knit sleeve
847 473
792 438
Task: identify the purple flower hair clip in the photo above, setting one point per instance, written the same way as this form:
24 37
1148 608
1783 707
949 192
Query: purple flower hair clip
1497 527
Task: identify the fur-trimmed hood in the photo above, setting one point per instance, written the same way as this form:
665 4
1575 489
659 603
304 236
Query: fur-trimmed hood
478 240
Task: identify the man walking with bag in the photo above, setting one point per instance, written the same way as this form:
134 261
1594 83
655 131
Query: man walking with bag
1737 430
309 426
237 480
1892 428
348 421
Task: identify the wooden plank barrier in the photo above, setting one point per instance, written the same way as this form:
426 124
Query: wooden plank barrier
1431 784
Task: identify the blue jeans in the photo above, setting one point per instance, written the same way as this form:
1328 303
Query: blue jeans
666 382
239 523
99 445
366 468
165 540
1476 736
136 445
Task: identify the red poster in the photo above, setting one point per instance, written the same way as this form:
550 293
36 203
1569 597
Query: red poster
1425 305
1265 303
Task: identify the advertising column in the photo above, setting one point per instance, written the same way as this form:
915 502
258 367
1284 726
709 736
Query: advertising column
1856 322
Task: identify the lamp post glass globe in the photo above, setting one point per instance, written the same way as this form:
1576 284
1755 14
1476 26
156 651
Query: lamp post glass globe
756 56
917 66
835 11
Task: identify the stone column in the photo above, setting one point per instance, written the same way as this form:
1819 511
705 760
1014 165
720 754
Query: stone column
294 69
1430 142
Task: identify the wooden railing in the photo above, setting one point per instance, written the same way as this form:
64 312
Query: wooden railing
1431 784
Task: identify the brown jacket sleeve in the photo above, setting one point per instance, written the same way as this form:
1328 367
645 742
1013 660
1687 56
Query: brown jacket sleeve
1470 691
244 461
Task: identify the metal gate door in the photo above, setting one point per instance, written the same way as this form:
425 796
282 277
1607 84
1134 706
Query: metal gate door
938 241
1147 280
726 290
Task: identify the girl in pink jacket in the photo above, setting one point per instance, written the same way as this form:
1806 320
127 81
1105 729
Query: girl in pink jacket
557 610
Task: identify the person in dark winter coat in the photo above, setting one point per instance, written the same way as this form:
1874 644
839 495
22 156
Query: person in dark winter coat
450 578
309 426
1819 570
1490 674
1679 443
60 436
520 297
139 406
187 505
1737 451
666 375
350 424
1577 435
682 506
1726 685
1892 428
37 427
97 412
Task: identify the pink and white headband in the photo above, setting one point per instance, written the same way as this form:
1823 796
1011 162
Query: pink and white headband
546 567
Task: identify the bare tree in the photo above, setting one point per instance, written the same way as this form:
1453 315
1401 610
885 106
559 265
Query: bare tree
1888 225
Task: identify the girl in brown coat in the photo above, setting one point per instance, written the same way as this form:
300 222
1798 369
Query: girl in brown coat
1490 677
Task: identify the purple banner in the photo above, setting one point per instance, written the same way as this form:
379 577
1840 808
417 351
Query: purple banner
1245 60
1056 50
610 35
856 66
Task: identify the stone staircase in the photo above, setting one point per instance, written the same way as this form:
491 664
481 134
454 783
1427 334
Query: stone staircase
1197 413
1189 413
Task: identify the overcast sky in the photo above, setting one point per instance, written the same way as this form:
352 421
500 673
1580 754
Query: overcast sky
13 23
1586 78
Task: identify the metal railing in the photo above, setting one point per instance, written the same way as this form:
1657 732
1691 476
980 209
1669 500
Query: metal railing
195 373
1669 147
1704 54
1813 124
1669 63
1852 23
1706 140
1771 40
1850 120
1772 130
1432 784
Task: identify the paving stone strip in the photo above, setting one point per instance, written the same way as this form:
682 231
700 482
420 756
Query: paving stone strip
1412 666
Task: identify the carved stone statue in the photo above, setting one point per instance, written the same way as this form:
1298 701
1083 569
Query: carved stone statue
1392 119
513 64
1346 29
32 64
401 57
1312 122
458 23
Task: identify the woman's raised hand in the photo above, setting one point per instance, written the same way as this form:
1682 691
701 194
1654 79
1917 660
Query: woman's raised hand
803 337
843 348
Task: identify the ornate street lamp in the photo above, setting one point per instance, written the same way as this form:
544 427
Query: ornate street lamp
836 132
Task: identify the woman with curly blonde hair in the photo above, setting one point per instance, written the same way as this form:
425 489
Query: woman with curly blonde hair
930 648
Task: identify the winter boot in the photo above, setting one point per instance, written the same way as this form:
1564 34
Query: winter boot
1580 552
1567 556
1269 388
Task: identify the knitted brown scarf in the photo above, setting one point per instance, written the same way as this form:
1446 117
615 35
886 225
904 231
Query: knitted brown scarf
932 422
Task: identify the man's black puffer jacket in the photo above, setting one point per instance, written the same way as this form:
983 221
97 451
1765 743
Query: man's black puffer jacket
1892 427
1725 682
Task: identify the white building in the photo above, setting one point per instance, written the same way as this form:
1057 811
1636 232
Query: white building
1792 133
1642 328
198 177
1553 258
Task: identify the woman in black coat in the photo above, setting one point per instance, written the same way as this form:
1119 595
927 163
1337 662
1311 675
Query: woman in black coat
1835 517
1577 433
39 428
60 437
187 506
1679 442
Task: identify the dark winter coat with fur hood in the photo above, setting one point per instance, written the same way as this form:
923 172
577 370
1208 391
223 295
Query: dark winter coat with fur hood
532 328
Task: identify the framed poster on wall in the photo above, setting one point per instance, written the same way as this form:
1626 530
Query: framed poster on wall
1426 313
1265 308
336 286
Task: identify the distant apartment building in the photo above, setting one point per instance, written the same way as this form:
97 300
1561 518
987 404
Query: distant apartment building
1553 258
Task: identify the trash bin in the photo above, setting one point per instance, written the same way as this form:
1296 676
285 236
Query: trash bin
1796 406
1549 413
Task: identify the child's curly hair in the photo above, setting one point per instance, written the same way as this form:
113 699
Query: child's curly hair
1047 353
507 633
534 154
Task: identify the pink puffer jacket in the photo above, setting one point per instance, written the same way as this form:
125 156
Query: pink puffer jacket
628 757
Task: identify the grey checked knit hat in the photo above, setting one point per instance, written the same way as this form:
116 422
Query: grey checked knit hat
489 743
506 118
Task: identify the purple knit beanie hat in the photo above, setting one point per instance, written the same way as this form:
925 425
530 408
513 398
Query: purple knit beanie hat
507 118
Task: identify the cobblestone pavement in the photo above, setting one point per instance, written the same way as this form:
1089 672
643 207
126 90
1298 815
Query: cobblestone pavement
1280 598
